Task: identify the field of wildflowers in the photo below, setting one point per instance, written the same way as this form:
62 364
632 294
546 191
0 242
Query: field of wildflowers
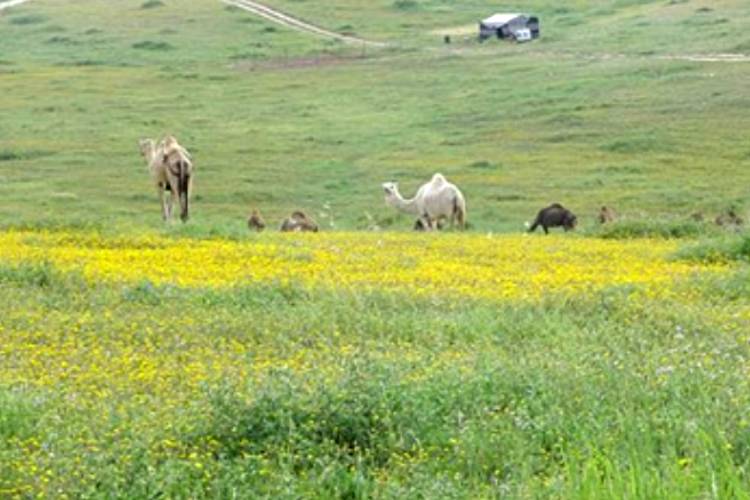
360 365
494 267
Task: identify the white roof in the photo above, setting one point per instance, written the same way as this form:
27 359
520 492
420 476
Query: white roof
498 19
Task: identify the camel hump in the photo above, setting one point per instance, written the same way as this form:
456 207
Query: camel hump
438 179
170 145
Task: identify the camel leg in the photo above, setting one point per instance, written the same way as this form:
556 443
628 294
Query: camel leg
173 194
170 204
163 201
184 198
458 217
425 222
189 193
183 207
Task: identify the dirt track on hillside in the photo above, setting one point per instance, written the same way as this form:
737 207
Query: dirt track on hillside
727 58
291 22
11 3
723 58
608 56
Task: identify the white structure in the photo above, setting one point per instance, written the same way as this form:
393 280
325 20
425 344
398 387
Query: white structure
518 27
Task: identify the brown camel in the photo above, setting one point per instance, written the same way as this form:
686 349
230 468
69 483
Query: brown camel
729 219
298 222
606 215
171 169
255 221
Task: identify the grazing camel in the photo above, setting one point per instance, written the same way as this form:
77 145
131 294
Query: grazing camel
606 215
171 169
298 222
255 221
435 200
554 215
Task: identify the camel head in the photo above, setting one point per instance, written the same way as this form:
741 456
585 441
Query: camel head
147 147
391 191
170 141
570 222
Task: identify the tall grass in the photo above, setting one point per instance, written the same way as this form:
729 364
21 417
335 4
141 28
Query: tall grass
724 249
609 395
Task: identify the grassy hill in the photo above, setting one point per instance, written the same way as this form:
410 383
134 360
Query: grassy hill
591 114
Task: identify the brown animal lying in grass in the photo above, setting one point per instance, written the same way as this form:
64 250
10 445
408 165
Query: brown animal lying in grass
606 215
554 215
730 218
256 222
298 222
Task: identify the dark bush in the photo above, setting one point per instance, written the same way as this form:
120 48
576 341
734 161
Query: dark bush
155 46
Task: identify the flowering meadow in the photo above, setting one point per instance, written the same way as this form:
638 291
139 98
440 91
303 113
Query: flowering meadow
480 267
370 365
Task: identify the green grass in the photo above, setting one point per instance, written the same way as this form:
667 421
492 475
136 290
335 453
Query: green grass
628 229
726 249
281 120
569 399
18 416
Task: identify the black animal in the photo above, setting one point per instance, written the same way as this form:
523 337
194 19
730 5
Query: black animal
554 215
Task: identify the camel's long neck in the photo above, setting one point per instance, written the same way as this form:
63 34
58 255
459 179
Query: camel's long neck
408 206
150 153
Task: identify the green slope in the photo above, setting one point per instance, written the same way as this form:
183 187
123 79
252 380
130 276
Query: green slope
594 113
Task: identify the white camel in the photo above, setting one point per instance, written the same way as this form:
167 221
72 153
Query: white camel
435 200
171 169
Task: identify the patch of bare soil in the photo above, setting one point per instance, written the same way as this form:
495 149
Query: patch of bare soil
295 63
279 17
728 58
606 56
465 30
